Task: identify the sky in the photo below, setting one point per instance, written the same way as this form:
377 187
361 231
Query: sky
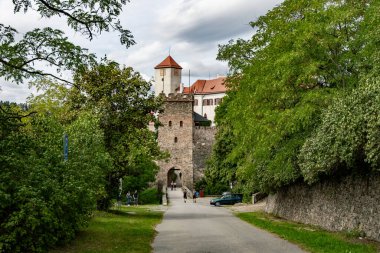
190 29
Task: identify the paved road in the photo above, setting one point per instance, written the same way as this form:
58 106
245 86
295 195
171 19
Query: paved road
200 228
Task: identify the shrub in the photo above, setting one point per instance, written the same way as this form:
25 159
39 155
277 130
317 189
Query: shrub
150 196
43 199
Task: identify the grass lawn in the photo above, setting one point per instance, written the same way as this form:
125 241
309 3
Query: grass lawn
129 229
307 237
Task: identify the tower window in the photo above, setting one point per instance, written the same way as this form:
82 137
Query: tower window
176 72
175 139
170 124
181 123
195 101
205 116
162 72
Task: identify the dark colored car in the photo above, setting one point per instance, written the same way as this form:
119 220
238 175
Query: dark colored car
227 199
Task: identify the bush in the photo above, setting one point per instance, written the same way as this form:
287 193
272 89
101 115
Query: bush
150 196
43 199
348 137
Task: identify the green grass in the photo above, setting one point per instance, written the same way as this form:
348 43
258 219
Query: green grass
307 237
130 229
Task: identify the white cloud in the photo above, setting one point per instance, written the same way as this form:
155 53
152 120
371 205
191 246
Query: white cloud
14 92
191 28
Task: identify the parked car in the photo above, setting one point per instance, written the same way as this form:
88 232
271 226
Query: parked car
227 199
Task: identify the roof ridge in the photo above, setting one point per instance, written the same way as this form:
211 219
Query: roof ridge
168 62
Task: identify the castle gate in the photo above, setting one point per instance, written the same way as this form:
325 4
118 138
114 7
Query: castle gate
176 137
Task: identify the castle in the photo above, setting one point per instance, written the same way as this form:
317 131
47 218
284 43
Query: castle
181 134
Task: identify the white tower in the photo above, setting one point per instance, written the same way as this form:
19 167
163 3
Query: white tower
167 77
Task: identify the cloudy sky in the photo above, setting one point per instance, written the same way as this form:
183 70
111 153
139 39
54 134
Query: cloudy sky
192 29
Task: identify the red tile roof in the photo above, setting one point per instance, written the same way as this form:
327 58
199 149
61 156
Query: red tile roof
169 62
207 86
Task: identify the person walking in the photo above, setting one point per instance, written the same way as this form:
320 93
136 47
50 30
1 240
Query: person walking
184 195
195 197
129 197
136 198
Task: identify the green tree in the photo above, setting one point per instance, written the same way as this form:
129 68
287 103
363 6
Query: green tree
302 55
45 200
122 99
348 138
49 47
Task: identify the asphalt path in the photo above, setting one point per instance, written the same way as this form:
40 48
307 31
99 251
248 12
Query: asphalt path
200 228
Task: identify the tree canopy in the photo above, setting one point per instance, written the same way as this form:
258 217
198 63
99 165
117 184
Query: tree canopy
302 55
19 58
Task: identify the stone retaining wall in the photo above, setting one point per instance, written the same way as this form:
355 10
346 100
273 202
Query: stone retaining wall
347 204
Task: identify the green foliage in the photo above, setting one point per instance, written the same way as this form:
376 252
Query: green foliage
121 98
150 196
45 200
40 45
348 137
49 47
221 169
303 55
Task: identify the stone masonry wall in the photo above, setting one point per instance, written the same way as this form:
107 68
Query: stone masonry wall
204 138
177 108
346 204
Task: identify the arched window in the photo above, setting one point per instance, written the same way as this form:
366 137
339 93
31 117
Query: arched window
170 124
205 115
181 123
175 139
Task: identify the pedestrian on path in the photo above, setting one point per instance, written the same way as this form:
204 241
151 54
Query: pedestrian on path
129 197
195 197
184 195
136 198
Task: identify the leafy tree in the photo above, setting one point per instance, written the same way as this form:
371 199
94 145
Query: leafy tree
19 58
221 167
302 55
348 137
124 104
44 200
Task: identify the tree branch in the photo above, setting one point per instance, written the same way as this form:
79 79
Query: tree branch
86 24
35 72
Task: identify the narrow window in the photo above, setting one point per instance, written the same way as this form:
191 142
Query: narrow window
162 72
181 123
205 115
195 101
170 124
175 139
204 102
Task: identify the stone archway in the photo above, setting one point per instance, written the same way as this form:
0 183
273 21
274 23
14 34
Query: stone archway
174 175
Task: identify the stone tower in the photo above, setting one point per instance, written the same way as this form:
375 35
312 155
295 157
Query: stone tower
188 146
176 137
167 77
